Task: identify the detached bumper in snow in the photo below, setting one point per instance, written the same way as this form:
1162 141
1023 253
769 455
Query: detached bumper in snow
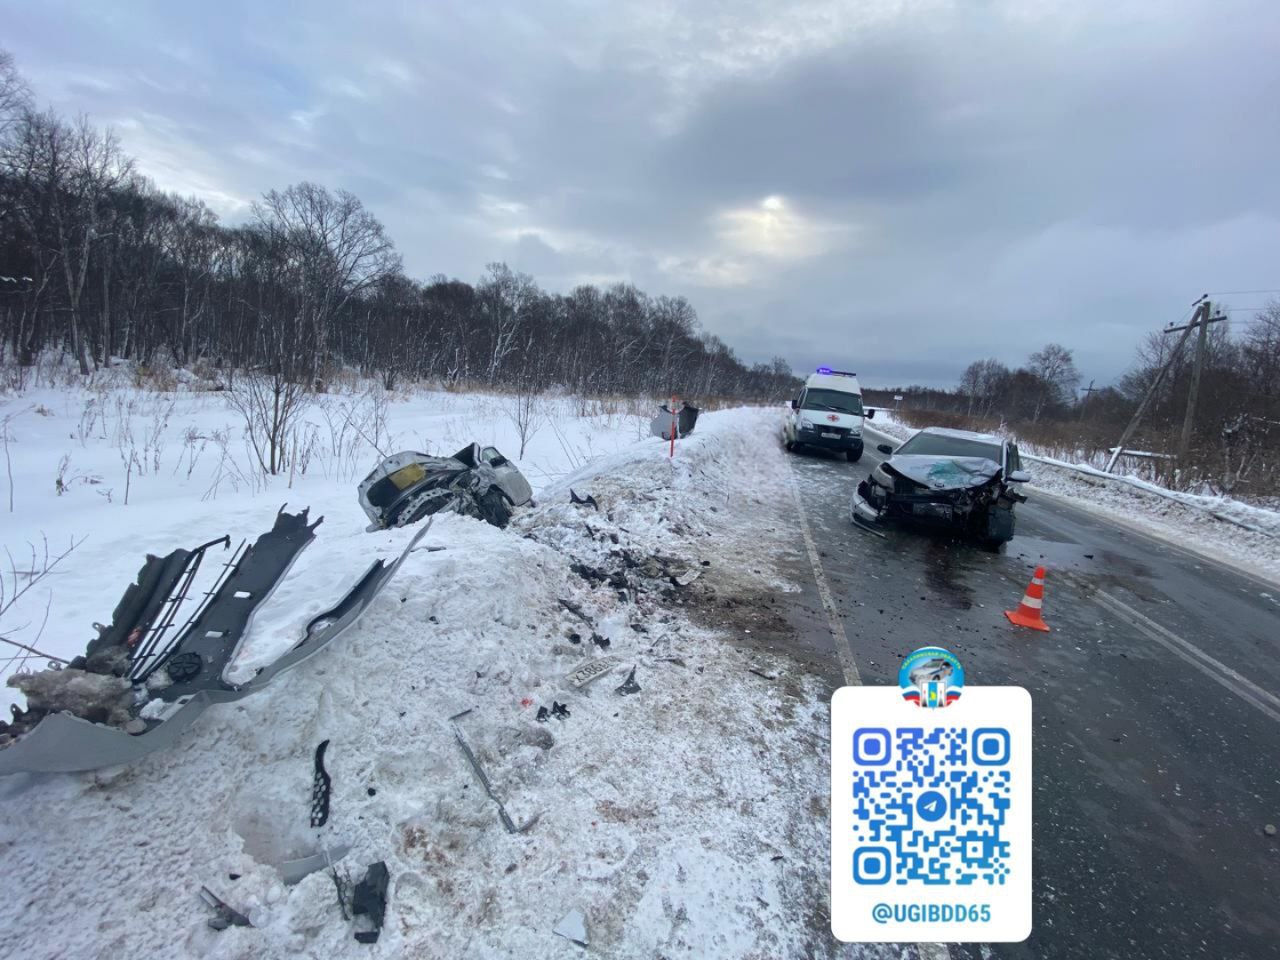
188 671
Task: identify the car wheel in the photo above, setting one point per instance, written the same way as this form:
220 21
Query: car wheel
494 507
790 445
853 456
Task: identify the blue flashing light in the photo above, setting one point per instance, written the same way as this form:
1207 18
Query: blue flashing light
825 370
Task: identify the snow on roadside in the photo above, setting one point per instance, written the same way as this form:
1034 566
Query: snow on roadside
1233 533
688 818
192 481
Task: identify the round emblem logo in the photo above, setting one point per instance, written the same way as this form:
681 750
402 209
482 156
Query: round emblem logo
931 677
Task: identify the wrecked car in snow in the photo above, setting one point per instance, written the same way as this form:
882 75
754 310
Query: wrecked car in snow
476 481
964 481
164 657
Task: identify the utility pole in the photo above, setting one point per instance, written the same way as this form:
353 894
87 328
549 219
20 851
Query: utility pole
1194 392
1202 311
1088 393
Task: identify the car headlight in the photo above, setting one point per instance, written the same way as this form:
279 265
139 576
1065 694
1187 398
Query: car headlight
881 477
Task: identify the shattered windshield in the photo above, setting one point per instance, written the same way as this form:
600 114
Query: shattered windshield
938 445
819 399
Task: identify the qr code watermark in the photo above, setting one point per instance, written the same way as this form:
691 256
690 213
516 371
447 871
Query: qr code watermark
931 817
930 805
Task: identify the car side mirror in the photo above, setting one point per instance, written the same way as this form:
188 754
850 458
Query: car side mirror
869 413
795 405
1019 476
884 448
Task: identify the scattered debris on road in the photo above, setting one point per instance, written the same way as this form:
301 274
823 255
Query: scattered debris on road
582 675
507 822
588 500
629 685
369 899
573 926
321 786
226 915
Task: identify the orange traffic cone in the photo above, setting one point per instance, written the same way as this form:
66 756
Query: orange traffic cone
1028 612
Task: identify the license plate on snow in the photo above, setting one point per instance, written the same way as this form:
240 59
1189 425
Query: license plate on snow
592 669
831 436
936 511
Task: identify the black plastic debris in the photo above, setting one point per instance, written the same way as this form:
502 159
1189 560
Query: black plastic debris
588 500
369 899
320 787
629 685
225 914
574 609
575 637
599 641
543 714
559 709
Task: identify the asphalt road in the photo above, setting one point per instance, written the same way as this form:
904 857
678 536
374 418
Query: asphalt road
1155 767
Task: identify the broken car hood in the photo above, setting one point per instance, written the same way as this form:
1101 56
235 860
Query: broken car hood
945 473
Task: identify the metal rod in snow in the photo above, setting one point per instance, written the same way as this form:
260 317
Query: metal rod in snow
672 452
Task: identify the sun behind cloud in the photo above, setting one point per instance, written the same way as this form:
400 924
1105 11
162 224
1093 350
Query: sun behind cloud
772 228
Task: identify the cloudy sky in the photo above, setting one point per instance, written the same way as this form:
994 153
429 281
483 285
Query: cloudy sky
892 187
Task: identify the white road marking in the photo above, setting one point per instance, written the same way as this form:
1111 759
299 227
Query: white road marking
1215 670
927 951
843 651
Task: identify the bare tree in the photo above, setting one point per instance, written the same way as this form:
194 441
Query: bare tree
981 384
335 249
40 565
1056 368
83 167
15 95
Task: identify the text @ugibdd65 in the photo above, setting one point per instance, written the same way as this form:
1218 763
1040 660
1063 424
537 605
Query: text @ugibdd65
932 913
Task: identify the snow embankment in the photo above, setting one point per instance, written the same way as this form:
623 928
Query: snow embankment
686 818
1237 534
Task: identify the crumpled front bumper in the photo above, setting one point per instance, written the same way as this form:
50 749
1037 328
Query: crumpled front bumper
862 509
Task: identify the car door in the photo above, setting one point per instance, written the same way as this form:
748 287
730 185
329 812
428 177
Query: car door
508 478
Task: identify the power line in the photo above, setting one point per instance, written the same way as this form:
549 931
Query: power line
1238 293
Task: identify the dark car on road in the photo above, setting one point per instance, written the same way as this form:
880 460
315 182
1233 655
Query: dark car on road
963 481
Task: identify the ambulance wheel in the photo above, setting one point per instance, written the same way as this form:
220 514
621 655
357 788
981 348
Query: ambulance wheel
853 456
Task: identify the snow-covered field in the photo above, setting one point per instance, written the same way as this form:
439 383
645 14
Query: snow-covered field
182 462
1237 534
686 819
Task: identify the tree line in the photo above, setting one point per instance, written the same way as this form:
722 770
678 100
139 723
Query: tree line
1235 441
97 263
